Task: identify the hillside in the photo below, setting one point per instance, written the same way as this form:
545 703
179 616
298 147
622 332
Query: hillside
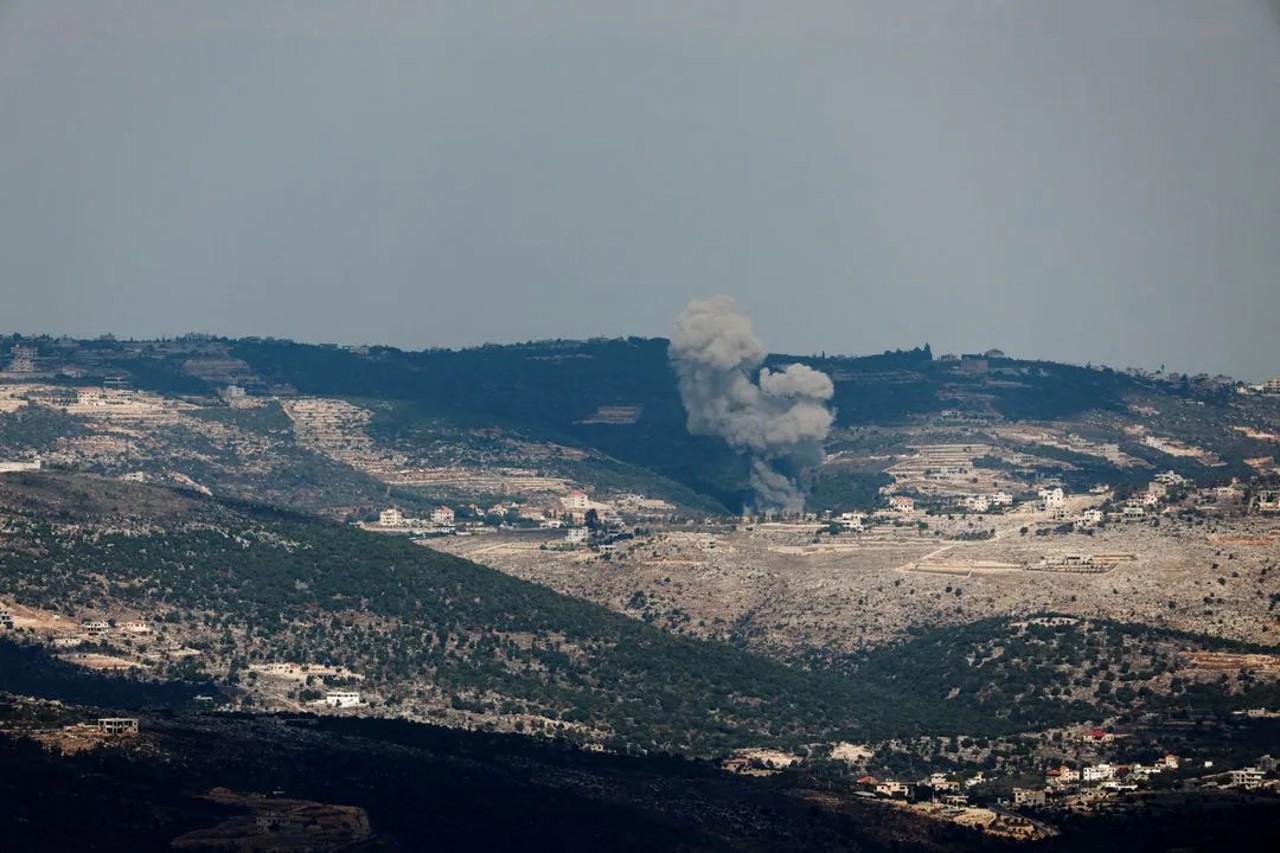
191 780
344 430
224 590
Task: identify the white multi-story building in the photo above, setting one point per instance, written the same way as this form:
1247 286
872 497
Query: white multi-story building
442 515
1098 773
342 699
1053 499
1246 777
24 359
118 725
1028 797
576 535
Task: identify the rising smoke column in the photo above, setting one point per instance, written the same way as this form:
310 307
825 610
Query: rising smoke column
779 417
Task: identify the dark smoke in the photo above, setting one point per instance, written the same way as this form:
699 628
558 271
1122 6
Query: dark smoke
780 418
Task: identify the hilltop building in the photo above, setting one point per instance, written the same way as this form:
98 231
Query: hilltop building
23 359
118 725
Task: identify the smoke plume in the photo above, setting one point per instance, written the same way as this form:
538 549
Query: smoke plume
778 417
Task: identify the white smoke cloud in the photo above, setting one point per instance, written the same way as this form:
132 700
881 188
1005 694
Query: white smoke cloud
779 417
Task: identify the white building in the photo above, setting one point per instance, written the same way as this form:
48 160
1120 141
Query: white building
1000 499
576 535
902 503
342 699
576 500
1028 797
1098 773
442 515
1090 518
391 518
1246 777
118 725
24 359
1053 499
1064 775
1134 509
891 789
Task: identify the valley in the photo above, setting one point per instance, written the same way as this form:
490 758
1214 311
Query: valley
526 542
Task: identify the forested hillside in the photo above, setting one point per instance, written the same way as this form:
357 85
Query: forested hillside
244 584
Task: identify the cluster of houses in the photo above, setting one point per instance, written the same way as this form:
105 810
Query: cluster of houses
1063 780
1111 777
570 510
987 503
92 629
936 788
441 519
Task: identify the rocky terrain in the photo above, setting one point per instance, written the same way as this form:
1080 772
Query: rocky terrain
786 588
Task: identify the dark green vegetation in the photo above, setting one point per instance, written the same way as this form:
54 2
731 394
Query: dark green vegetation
243 579
845 491
27 669
550 388
424 788
430 405
1000 676
427 788
247 584
36 428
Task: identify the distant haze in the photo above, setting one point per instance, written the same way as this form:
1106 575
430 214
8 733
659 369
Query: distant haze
1085 180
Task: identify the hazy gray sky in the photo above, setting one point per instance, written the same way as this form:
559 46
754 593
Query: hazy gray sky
1069 179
